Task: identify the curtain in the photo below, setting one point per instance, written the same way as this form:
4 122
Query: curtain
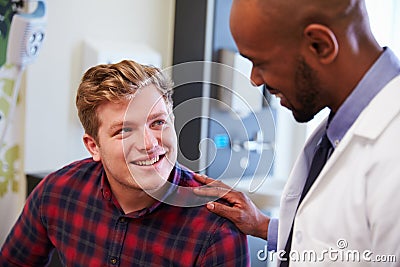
12 178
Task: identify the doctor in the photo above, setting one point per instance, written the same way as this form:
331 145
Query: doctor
316 54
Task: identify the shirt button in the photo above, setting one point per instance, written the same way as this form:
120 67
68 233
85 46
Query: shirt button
107 194
122 220
337 142
113 260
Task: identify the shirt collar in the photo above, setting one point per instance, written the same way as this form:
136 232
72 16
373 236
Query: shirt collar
382 72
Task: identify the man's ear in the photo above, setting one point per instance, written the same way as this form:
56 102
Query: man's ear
92 147
172 117
322 42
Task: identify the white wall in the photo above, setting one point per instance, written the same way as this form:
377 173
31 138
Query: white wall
385 22
53 132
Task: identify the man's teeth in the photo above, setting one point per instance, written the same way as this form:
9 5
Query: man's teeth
147 162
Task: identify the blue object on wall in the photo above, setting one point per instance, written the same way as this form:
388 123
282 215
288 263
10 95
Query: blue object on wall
221 141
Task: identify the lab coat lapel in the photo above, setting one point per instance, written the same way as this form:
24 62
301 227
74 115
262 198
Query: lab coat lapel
294 187
374 121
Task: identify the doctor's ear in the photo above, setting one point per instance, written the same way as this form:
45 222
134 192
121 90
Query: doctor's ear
321 42
92 147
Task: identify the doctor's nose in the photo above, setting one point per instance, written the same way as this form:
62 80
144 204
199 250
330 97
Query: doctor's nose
256 77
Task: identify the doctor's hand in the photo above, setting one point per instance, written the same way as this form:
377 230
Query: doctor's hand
241 210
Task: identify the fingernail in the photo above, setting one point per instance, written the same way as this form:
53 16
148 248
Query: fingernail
210 205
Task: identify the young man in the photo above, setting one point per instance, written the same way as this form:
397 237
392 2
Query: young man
316 54
112 209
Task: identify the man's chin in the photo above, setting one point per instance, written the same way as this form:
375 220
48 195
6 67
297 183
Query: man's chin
152 184
156 187
151 179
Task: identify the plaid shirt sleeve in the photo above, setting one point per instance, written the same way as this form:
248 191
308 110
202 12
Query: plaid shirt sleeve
227 247
27 244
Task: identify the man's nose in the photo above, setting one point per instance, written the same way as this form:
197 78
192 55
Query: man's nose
150 140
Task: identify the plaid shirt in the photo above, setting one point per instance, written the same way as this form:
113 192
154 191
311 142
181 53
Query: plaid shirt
73 210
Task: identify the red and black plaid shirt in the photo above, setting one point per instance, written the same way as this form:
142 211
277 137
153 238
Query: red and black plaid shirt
73 211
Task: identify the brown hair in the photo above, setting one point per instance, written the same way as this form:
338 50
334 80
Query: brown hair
115 83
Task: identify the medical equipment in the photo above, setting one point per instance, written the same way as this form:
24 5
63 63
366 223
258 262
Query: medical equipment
25 38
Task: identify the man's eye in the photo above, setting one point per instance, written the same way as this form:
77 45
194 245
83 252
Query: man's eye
158 123
122 131
126 130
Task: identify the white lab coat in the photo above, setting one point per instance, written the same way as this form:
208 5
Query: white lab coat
353 208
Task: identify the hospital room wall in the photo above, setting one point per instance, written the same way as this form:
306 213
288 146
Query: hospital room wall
53 134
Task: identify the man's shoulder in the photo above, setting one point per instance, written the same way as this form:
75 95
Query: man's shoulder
76 172
216 221
197 221
200 214
78 167
212 233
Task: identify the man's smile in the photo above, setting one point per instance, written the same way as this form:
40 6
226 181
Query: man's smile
148 162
